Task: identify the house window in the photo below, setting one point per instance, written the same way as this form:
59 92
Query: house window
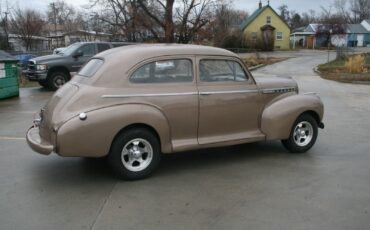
279 35
268 20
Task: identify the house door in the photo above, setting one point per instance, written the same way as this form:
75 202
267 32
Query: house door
360 40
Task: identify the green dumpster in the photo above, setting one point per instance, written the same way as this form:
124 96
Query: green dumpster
9 86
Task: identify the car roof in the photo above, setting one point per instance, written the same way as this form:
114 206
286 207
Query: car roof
146 51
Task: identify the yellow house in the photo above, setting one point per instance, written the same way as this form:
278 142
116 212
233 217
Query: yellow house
265 27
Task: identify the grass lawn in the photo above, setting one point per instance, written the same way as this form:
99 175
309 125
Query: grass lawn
336 70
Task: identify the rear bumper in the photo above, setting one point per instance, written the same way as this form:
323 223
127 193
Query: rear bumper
38 144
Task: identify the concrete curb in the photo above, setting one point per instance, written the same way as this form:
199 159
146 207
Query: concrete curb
256 67
316 70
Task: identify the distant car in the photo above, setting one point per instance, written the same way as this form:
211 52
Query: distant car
58 50
136 102
23 60
53 71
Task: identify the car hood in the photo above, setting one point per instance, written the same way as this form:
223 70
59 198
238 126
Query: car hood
46 58
275 82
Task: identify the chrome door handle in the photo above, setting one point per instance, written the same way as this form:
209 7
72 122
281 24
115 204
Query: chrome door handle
205 94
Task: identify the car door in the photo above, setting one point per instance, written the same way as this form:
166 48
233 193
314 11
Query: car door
88 50
229 101
169 83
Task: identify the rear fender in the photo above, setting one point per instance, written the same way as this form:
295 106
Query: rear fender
93 137
279 116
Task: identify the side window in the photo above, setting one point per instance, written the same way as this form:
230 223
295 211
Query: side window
268 20
168 71
88 50
221 70
102 47
279 35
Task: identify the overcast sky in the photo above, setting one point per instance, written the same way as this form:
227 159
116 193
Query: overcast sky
248 5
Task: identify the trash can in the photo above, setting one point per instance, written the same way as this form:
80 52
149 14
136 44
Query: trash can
9 86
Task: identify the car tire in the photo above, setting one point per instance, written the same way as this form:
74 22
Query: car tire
303 134
134 154
56 80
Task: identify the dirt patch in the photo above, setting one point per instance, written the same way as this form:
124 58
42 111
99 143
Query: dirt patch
254 61
354 68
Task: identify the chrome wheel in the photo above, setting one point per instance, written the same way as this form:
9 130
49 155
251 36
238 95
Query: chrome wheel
59 80
137 155
303 133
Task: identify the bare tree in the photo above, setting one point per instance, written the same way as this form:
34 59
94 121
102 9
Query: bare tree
330 23
60 13
26 24
161 12
284 13
191 17
360 10
4 21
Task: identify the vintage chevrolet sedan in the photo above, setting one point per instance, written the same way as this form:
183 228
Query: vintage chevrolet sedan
134 103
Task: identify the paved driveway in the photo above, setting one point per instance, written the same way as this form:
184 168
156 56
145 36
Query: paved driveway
254 186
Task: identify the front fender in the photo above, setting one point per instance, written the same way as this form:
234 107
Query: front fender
93 137
278 117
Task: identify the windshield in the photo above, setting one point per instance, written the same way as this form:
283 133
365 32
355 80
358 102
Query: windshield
70 49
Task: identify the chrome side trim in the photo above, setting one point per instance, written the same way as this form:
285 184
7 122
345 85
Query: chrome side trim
310 93
279 90
149 95
229 92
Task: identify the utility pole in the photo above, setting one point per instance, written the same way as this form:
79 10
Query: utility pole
55 21
6 25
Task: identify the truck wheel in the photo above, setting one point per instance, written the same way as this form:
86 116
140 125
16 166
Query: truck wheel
134 154
303 134
56 80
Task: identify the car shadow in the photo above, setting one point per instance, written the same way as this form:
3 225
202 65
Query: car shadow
92 170
219 157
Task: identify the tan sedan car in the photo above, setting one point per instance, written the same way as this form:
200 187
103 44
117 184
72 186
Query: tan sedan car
134 103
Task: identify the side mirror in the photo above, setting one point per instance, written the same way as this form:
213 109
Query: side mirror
79 53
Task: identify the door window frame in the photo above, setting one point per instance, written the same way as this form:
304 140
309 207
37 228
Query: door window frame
164 58
249 81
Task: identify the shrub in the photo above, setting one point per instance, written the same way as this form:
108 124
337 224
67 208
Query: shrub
355 64
233 40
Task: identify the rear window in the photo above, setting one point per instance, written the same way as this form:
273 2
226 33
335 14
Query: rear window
90 68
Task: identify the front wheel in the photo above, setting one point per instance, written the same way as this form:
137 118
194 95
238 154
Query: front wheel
134 154
56 80
303 134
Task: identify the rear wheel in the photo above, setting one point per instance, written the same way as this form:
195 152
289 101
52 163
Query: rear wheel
134 154
303 134
56 80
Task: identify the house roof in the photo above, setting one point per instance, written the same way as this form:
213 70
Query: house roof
88 32
356 29
312 28
367 20
255 14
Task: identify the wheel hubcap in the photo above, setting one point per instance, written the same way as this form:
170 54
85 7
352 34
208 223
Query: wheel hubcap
137 154
303 133
59 81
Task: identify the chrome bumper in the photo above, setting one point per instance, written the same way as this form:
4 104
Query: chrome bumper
36 143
